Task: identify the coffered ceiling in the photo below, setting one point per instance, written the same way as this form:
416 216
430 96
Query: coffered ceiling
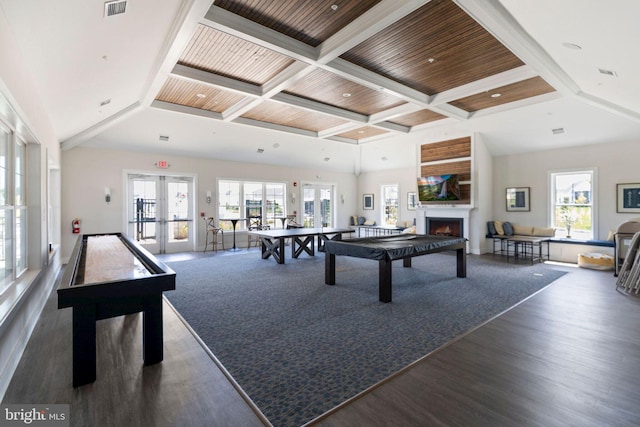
320 78
350 71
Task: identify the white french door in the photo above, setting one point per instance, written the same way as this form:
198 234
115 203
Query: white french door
160 212
317 205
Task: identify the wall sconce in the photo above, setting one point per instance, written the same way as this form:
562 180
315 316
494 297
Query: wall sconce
209 197
107 194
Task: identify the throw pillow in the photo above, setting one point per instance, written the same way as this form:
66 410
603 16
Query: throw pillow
508 229
499 229
544 231
369 222
611 235
354 220
522 230
361 220
491 228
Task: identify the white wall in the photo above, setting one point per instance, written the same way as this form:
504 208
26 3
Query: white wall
616 163
87 171
371 182
21 107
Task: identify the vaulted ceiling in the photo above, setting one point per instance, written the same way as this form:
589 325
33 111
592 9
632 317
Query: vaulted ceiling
330 73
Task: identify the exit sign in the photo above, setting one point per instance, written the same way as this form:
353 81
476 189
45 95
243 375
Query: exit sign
162 164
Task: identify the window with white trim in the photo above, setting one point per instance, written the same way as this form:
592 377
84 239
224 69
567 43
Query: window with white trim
243 199
390 204
13 209
572 202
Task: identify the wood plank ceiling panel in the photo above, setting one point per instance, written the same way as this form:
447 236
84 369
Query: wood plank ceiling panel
362 133
223 54
417 118
326 87
434 49
509 93
308 21
185 92
285 115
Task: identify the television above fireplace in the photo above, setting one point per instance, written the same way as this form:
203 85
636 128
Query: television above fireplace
438 188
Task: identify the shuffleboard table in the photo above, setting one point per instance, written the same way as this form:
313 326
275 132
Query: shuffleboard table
110 275
389 248
302 240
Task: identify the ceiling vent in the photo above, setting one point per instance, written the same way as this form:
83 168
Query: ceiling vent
607 72
116 7
557 131
164 138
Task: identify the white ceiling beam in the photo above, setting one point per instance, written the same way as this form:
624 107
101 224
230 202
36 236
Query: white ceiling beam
215 80
394 112
488 83
375 81
237 110
365 26
394 127
321 108
162 105
273 126
99 127
499 23
177 39
286 78
546 97
347 127
245 29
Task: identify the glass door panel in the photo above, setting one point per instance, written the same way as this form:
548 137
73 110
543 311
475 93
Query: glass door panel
160 213
317 205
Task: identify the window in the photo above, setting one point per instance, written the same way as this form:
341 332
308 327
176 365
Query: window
572 213
13 209
389 204
243 199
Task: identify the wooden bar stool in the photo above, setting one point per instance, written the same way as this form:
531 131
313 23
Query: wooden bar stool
212 229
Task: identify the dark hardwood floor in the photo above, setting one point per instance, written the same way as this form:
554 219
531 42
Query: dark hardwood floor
568 355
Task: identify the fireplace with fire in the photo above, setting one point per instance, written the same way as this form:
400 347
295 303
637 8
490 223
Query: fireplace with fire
452 227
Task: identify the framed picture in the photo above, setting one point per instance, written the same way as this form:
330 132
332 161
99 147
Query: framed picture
411 201
367 201
518 199
628 198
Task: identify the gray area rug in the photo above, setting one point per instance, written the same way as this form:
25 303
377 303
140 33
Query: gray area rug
299 347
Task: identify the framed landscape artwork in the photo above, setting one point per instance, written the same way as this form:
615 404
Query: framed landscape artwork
628 198
367 201
518 199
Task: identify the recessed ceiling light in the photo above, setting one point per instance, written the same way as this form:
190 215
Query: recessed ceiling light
326 159
164 138
572 46
384 158
496 95
260 150
334 7
276 145
360 131
557 131
346 95
431 60
105 102
201 95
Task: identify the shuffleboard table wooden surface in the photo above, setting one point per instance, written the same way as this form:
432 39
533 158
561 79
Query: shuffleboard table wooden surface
110 275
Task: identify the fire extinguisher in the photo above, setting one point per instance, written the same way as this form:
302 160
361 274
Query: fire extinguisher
75 225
